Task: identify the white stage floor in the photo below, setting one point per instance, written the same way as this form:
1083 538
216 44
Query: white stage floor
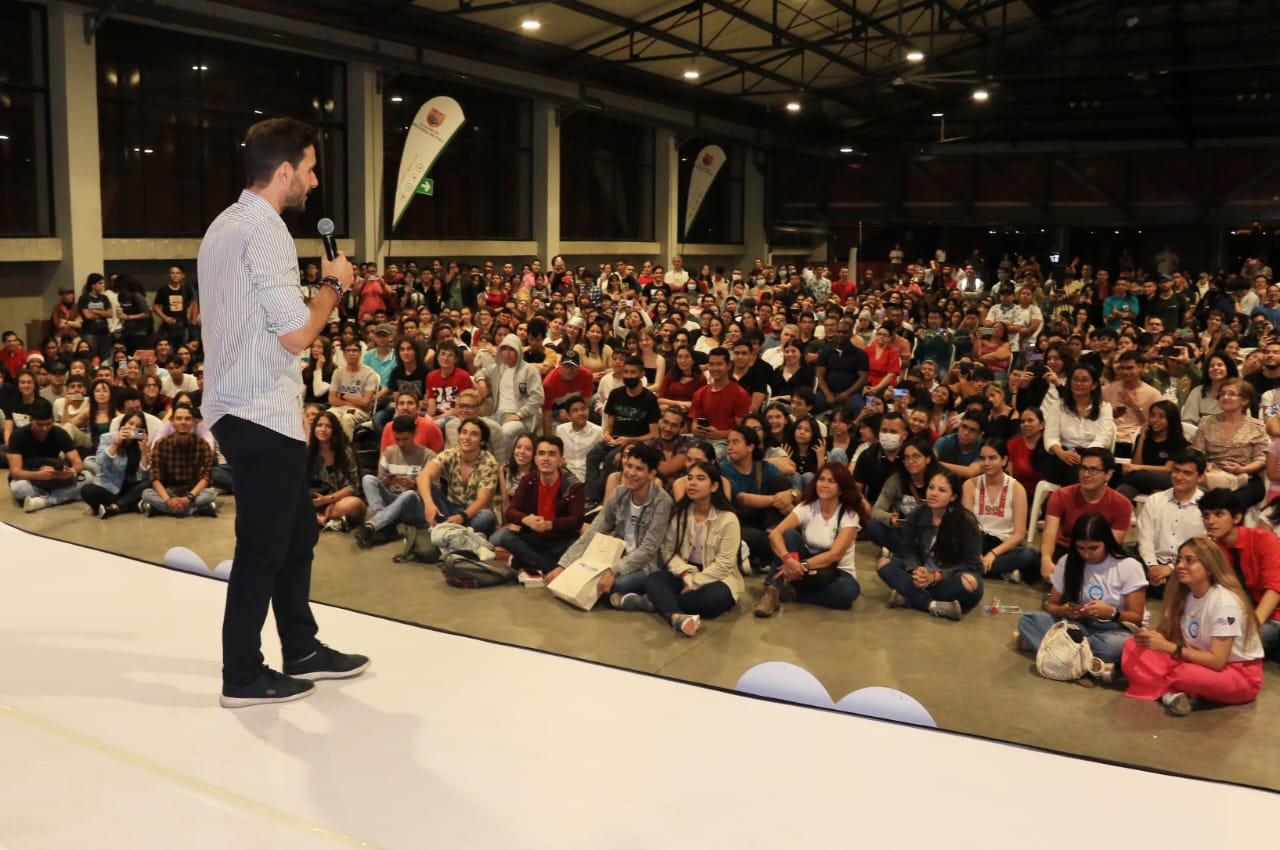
112 737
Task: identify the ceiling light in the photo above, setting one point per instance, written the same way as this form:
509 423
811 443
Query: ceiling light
691 74
915 56
530 25
199 67
793 106
937 114
4 138
397 99
980 95
257 112
846 149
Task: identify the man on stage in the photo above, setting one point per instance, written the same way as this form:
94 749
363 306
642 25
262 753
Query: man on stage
255 325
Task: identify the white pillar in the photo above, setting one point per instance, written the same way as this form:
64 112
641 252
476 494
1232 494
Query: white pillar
666 200
546 181
364 163
73 107
754 237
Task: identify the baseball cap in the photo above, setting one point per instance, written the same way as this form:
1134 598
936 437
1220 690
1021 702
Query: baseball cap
384 329
570 358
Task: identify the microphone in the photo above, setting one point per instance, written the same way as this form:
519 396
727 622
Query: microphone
325 227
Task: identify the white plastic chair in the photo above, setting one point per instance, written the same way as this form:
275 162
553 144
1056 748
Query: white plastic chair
1043 490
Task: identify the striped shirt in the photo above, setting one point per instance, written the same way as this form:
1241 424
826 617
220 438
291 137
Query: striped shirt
249 297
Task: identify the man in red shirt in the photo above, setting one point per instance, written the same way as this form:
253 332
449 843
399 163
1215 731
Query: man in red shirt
563 384
1091 495
1254 555
718 406
842 287
12 356
544 516
426 434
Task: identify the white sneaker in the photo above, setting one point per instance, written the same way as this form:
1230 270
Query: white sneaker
32 504
947 610
334 525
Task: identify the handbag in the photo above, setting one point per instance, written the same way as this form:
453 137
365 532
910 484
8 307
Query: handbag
1065 656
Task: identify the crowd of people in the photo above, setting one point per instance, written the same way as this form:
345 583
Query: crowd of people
755 421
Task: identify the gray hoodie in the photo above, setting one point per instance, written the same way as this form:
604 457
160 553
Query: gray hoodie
528 383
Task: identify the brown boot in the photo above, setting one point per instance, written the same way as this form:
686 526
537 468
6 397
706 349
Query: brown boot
768 604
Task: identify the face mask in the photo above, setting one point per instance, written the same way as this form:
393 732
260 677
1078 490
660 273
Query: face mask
631 383
890 442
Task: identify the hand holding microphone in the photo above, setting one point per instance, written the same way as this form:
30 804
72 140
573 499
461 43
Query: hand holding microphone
335 263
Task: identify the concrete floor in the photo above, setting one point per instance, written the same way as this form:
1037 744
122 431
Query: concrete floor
963 673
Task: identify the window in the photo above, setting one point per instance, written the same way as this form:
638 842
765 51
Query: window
24 122
173 109
606 179
483 180
719 219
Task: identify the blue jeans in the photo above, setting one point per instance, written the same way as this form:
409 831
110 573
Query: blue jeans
201 502
1106 639
531 552
886 536
897 575
484 522
1271 638
390 508
21 490
666 591
1022 558
841 593
630 583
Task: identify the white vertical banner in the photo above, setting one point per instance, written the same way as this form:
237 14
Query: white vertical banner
705 168
434 125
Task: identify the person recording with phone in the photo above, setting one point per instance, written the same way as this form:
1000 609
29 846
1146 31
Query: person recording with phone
122 472
255 326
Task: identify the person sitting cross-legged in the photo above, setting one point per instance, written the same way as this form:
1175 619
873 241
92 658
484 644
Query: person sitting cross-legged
333 475
392 494
700 575
44 466
459 484
181 467
637 513
544 514
122 475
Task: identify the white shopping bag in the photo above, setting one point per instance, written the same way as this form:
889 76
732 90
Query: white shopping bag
577 584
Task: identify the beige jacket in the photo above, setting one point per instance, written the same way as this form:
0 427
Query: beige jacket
721 551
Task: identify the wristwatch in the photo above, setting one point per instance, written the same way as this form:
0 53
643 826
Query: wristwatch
1177 652
804 565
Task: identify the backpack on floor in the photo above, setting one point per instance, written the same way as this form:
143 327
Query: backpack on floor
1064 654
463 569
417 545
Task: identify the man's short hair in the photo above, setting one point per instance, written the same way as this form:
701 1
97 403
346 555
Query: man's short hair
41 410
636 361
1104 455
1221 499
404 425
271 142
553 440
1131 354
647 455
1190 455
721 352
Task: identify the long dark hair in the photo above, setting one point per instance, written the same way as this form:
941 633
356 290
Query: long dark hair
1176 440
337 442
1092 527
513 468
1095 395
958 525
133 448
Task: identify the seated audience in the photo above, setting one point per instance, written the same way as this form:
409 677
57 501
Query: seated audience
1207 645
578 436
122 474
813 546
392 494
1235 445
1160 440
999 503
353 386
1078 420
459 484
44 466
181 469
544 511
901 495
1253 554
333 475
1097 585
1069 503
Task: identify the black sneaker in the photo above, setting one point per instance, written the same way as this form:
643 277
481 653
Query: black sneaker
268 688
326 663
363 536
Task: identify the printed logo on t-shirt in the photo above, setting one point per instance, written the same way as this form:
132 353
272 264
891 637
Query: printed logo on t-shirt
1226 621
1095 592
1193 629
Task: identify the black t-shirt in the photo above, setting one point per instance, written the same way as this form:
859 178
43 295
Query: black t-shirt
89 301
133 304
37 453
632 415
174 302
416 380
873 469
753 382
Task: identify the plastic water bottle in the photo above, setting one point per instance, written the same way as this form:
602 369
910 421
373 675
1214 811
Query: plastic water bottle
997 608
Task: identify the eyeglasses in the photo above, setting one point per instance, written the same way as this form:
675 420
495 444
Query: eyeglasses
1228 394
1091 470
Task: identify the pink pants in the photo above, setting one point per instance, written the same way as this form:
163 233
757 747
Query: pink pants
1153 674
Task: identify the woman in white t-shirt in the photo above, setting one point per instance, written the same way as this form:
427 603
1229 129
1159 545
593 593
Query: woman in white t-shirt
1207 645
1098 586
813 545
